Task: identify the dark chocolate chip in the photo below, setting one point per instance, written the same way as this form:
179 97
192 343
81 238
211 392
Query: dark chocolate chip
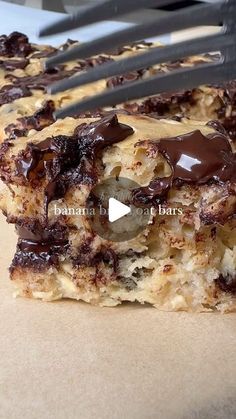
194 159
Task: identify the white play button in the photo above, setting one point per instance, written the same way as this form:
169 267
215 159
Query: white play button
117 210
114 217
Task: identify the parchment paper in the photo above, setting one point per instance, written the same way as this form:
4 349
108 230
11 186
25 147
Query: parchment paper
71 360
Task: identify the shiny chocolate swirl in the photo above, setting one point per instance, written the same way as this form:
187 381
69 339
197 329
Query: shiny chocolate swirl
194 159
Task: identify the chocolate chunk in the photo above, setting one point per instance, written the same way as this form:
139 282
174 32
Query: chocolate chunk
97 113
87 257
11 65
161 104
227 283
32 230
126 78
194 159
93 62
50 157
67 44
70 160
39 246
153 194
9 93
90 139
40 119
28 246
99 134
183 96
101 113
35 262
15 44
37 256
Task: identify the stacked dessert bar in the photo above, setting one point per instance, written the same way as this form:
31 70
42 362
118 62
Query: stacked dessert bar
178 148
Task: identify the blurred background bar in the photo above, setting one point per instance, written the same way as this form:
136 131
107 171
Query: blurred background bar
71 5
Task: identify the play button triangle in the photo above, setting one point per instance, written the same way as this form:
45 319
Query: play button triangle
117 210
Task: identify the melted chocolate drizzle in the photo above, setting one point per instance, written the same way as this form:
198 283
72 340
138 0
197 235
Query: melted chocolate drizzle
21 86
11 92
194 159
70 160
11 65
39 120
42 80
